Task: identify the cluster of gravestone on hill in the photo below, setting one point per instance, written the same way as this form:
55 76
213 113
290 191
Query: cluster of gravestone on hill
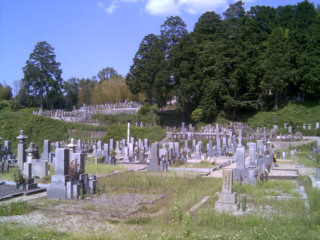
84 113
249 134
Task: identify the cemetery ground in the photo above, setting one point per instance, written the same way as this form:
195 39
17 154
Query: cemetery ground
144 205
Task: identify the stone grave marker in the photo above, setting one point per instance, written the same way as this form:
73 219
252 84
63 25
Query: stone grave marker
227 198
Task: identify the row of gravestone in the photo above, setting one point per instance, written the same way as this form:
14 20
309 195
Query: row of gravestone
25 154
304 126
210 132
161 159
6 156
108 108
70 180
123 151
259 163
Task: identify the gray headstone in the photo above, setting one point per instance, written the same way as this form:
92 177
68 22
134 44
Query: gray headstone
240 157
154 164
39 168
62 161
46 150
7 146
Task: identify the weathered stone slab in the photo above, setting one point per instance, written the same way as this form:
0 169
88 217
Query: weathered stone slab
57 191
227 181
39 168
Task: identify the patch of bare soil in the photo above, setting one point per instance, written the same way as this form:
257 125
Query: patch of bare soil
91 214
106 205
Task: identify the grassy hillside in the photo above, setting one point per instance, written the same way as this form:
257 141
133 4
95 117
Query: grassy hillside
118 132
291 113
37 128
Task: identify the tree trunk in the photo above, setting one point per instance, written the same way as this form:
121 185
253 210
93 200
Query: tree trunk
276 101
235 108
41 100
183 118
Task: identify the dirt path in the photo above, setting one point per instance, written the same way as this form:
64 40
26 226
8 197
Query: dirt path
166 138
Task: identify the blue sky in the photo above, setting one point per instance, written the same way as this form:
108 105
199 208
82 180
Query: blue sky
88 35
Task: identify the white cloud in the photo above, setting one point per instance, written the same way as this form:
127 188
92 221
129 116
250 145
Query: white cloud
200 6
168 7
245 1
113 6
161 7
110 8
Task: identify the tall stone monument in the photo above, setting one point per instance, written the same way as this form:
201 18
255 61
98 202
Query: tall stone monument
21 150
227 198
57 189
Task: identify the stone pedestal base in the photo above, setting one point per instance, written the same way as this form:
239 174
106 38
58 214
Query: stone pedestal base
30 184
227 202
227 207
252 176
57 191
153 167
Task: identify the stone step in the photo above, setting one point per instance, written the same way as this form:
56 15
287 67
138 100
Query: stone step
281 174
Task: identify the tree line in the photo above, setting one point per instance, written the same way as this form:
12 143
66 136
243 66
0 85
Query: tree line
247 61
43 86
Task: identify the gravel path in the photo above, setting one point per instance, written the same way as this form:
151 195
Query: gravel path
91 214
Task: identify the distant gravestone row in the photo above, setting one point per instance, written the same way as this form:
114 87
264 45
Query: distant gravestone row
84 113
210 132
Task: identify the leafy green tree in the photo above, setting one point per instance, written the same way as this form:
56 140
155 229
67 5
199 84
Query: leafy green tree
208 24
197 115
304 50
107 73
71 92
5 92
235 11
42 74
276 65
85 91
147 63
172 31
236 64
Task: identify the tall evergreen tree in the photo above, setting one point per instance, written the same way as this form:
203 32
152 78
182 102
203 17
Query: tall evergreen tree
42 75
276 65
147 63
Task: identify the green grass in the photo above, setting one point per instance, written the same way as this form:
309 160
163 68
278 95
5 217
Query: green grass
118 132
303 151
115 118
291 113
15 208
269 188
8 176
13 232
37 128
168 219
102 169
202 164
